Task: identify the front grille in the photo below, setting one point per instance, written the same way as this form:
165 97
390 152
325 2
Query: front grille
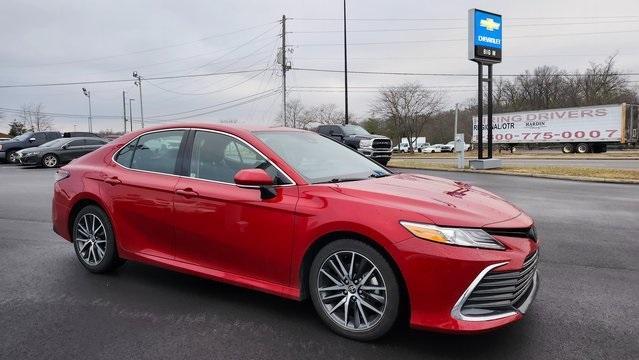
382 144
529 232
502 291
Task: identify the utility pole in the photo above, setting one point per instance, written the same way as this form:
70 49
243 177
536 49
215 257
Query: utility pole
88 95
131 114
124 109
456 117
345 71
283 52
138 83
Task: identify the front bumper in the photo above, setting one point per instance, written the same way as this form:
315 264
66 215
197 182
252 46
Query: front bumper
29 160
440 278
375 153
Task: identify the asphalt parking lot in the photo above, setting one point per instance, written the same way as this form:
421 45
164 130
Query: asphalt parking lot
630 164
50 307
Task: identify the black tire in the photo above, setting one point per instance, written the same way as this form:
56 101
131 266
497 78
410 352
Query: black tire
583 148
383 323
50 161
110 259
11 154
568 148
384 161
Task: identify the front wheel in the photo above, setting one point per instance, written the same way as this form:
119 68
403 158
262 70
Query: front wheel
50 161
383 161
94 240
12 157
354 290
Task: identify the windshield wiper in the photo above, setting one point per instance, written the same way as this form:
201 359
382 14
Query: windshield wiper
339 180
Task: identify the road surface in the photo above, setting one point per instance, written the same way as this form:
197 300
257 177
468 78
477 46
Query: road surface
50 307
604 163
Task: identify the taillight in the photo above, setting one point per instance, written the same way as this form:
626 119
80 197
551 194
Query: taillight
61 175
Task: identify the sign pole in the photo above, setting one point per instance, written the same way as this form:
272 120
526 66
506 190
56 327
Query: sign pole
490 111
480 110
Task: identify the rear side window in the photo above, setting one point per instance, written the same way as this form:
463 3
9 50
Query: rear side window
76 143
157 152
94 142
126 154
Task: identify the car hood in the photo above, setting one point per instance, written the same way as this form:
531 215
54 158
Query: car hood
439 201
367 137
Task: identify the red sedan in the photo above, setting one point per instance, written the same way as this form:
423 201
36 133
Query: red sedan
298 215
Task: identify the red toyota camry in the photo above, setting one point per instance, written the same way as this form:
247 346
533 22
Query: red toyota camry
295 214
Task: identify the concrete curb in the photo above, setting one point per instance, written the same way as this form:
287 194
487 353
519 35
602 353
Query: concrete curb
555 177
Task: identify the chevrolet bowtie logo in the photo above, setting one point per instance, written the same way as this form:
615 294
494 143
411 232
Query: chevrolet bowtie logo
489 24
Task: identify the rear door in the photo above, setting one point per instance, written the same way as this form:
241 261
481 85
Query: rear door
140 186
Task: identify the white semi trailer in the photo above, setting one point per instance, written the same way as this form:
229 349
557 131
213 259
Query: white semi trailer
581 129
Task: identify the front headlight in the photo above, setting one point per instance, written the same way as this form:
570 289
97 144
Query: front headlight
365 143
453 236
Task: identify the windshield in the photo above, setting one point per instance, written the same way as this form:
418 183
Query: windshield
23 137
319 159
54 143
355 130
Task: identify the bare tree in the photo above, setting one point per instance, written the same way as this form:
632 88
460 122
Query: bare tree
294 113
34 118
408 107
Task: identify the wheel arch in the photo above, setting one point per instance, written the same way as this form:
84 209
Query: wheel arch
81 204
325 239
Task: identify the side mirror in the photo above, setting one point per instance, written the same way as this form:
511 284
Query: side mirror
32 139
256 178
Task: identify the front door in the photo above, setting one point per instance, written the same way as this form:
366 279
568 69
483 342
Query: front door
223 227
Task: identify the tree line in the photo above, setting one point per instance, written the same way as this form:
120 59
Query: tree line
410 110
31 117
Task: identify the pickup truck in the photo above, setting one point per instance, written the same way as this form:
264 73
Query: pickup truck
376 147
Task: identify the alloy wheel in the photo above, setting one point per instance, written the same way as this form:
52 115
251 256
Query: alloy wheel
13 158
50 161
352 290
90 239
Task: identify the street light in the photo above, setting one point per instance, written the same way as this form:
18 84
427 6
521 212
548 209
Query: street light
138 83
131 113
88 94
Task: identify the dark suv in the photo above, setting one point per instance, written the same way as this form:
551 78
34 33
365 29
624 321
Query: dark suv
29 139
376 147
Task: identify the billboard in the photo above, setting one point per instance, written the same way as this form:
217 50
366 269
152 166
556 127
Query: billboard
582 124
484 36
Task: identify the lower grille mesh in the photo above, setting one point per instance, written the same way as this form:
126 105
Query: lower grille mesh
503 290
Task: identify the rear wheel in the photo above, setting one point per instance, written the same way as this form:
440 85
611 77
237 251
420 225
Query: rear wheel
94 240
583 148
568 148
50 161
354 290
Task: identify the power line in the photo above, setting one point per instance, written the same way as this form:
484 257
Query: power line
465 19
400 42
146 50
443 74
253 99
129 80
211 106
457 27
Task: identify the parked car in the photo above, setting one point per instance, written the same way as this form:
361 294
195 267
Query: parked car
422 147
451 145
376 147
9 148
71 134
437 148
295 214
58 151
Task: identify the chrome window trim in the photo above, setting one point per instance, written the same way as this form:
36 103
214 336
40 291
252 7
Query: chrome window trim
293 183
456 311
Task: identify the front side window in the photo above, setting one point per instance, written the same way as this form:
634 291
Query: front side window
219 157
319 159
157 152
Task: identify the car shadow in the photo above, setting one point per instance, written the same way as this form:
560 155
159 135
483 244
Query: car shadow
234 302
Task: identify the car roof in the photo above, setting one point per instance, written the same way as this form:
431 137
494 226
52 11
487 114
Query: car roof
230 128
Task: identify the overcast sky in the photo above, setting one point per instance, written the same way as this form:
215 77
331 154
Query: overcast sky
71 41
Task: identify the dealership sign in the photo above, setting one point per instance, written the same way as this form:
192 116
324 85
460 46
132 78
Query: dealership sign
588 124
484 36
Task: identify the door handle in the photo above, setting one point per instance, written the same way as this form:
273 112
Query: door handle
113 180
187 193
